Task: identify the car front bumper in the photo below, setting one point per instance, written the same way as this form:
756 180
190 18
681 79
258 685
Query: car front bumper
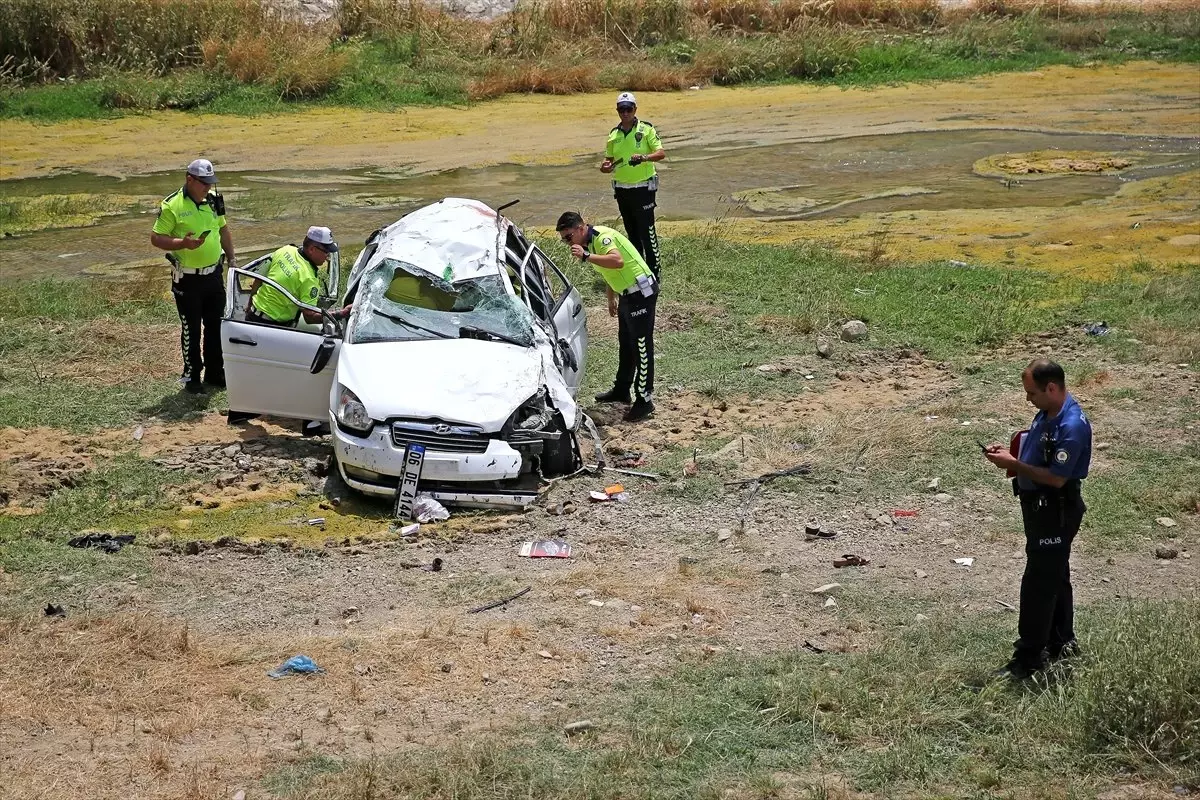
372 464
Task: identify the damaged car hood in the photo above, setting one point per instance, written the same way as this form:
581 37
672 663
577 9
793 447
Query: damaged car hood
456 380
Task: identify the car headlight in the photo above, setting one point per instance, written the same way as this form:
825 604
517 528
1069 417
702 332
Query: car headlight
351 413
534 414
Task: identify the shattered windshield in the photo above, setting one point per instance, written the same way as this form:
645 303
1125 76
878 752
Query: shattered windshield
399 302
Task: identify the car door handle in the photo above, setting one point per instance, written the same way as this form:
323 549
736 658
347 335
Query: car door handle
239 340
577 311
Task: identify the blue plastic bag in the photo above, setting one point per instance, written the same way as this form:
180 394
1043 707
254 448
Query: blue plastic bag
296 665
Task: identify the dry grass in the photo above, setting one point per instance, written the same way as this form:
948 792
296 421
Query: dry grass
537 79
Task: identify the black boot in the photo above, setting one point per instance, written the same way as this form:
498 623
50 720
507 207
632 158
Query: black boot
639 410
615 395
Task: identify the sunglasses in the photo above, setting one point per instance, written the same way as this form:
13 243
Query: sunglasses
565 236
624 109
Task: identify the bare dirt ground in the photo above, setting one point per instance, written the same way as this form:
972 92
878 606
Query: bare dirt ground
158 688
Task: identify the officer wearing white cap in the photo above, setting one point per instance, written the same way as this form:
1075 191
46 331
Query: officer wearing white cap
629 155
185 226
295 269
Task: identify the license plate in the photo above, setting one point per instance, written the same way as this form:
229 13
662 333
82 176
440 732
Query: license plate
406 494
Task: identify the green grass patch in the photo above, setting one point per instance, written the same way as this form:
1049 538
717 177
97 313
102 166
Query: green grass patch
913 716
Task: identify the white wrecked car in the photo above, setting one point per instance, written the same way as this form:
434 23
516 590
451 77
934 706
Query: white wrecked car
464 338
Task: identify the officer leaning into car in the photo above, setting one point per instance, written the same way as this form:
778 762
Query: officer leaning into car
629 155
191 228
295 270
1051 462
632 293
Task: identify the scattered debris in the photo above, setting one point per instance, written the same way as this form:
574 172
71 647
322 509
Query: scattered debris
51 610
547 548
596 603
934 485
108 542
902 512
854 331
965 562
1166 552
296 665
1166 522
650 476
1008 606
545 654
851 560
139 432
812 530
827 588
315 521
830 603
498 603
629 460
1096 328
960 264
810 645
581 726
599 497
410 530
781 369
426 509
799 469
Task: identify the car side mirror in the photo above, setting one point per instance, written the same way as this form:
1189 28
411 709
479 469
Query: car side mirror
324 353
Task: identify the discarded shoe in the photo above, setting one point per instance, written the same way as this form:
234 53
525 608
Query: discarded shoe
639 411
614 395
851 560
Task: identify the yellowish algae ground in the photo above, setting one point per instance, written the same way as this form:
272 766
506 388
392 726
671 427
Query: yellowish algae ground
1153 222
40 212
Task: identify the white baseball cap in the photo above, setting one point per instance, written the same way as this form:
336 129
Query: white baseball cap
626 97
202 169
322 236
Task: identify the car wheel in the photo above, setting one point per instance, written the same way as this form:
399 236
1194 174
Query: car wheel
560 457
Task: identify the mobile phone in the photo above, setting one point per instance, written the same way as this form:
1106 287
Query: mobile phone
982 446
204 235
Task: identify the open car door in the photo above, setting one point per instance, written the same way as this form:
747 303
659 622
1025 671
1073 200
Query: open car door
269 369
569 318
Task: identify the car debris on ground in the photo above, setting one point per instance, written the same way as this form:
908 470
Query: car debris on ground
501 602
108 542
547 548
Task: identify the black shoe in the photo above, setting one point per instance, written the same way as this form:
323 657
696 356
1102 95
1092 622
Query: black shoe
639 411
234 417
194 387
314 428
1016 670
614 395
1064 652
216 383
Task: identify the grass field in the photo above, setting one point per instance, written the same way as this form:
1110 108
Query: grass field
912 715
65 59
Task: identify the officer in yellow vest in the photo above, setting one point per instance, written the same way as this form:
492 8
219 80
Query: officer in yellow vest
295 269
629 155
632 298
191 228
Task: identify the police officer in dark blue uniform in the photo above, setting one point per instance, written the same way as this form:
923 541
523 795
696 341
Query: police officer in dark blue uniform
1052 461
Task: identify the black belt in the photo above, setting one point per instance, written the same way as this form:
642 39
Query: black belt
253 315
1068 490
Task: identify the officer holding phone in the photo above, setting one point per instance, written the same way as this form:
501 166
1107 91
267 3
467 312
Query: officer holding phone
185 228
632 149
1052 460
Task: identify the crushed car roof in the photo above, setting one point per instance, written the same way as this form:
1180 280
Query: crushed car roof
455 232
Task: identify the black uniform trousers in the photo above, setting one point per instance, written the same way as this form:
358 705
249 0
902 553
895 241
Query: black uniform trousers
200 300
637 214
1047 619
635 338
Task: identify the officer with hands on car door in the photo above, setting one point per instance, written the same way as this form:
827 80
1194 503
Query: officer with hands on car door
185 227
1049 465
295 269
629 155
632 297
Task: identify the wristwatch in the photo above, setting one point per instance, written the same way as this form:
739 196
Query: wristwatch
585 256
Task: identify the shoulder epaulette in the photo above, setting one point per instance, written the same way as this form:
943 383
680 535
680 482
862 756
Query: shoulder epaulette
171 196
